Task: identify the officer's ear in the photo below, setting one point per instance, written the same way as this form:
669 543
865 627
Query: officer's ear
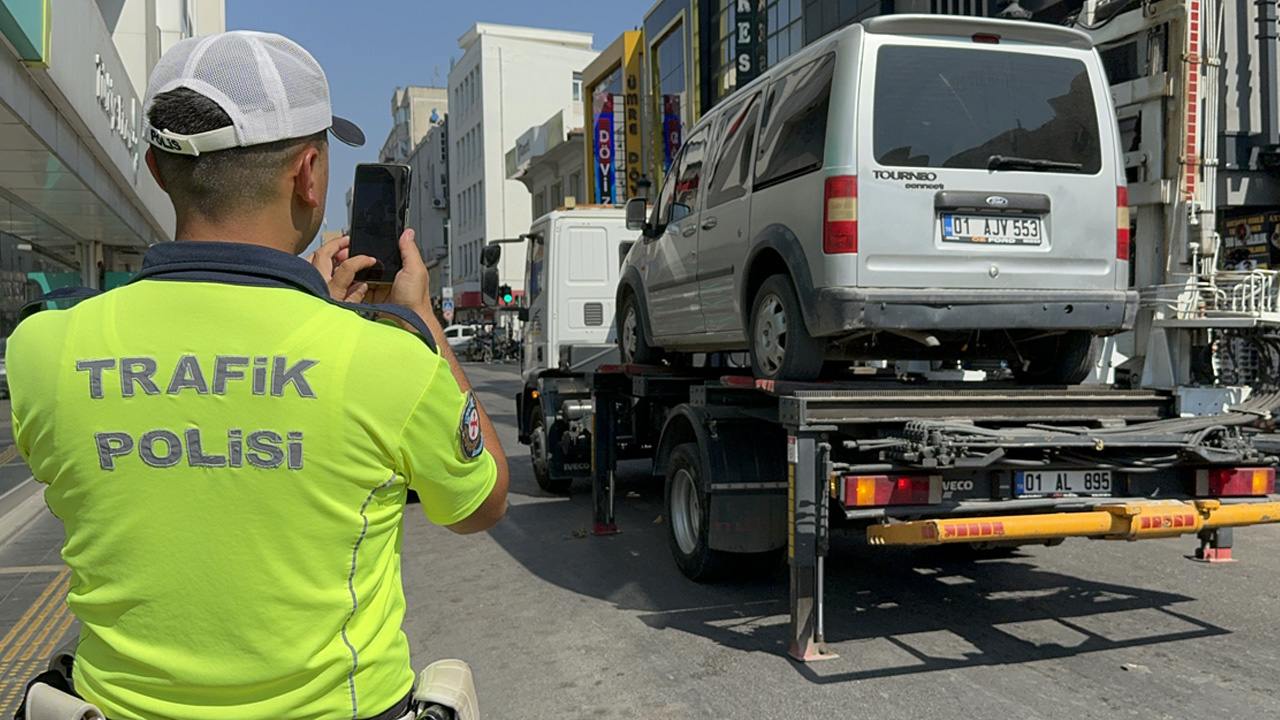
308 177
155 169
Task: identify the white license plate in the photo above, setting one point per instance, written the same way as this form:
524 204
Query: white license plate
992 230
1059 482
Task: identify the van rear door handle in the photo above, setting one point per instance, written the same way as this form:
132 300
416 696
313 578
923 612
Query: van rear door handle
710 224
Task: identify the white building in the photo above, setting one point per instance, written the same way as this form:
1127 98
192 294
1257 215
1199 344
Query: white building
77 205
508 80
549 160
429 201
414 111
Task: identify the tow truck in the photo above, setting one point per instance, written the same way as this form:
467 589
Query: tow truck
1161 449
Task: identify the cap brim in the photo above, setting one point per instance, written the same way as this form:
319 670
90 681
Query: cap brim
347 132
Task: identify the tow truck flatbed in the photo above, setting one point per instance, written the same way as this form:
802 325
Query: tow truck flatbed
784 465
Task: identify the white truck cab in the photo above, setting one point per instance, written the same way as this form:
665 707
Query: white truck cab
571 279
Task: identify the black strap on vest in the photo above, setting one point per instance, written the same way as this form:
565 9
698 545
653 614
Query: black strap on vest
81 293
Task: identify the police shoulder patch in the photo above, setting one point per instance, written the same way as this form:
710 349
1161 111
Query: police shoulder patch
469 435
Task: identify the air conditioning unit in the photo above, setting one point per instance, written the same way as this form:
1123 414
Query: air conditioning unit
437 203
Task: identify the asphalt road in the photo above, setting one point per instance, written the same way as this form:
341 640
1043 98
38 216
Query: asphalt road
559 624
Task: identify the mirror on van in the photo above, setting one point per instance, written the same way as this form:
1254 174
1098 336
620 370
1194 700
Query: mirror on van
637 208
490 255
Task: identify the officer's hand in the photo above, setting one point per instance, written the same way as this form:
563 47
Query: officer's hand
411 287
339 270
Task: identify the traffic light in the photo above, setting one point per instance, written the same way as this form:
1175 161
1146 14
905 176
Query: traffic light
504 295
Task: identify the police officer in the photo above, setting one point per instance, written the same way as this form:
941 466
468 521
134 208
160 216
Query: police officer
228 448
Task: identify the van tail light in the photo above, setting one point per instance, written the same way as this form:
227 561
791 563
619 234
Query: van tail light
1122 224
877 490
1235 482
840 215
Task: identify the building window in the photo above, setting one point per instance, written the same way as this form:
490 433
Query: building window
557 195
540 204
784 29
575 185
577 87
670 101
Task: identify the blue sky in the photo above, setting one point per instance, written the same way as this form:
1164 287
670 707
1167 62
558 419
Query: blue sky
369 47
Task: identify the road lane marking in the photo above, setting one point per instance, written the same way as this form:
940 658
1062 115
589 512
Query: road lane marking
32 569
8 455
35 607
50 605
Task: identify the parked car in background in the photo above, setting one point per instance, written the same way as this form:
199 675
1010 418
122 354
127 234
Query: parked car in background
459 336
913 187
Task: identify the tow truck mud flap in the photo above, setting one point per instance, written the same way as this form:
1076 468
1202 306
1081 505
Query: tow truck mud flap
748 523
1136 520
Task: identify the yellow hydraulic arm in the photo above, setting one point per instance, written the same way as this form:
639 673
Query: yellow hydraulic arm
1136 520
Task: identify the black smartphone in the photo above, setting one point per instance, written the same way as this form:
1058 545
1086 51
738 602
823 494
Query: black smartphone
379 215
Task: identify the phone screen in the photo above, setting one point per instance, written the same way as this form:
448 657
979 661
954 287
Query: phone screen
379 210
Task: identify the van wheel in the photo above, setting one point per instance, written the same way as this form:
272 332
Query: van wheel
781 347
541 460
1065 359
632 347
688 511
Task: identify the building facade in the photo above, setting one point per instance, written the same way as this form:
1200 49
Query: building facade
77 205
508 80
429 201
415 111
549 161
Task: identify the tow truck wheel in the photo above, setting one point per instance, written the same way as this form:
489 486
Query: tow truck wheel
688 517
1065 359
541 460
632 347
781 347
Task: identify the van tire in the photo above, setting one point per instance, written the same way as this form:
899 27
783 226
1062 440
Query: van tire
633 349
1065 359
781 347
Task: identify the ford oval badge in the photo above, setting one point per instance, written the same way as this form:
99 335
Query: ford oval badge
997 201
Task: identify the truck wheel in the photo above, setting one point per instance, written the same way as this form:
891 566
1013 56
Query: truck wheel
1065 359
781 348
632 347
541 460
688 518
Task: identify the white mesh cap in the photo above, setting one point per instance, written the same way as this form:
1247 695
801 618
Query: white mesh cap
270 87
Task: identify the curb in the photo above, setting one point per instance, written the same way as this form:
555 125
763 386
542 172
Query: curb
19 507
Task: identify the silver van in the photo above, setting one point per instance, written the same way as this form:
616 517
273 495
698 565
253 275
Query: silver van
913 187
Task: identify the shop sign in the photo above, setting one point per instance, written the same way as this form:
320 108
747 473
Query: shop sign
632 136
1251 241
122 114
602 104
748 34
672 129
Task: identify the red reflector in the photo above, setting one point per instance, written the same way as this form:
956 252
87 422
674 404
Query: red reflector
876 490
1123 251
840 215
987 38
1235 482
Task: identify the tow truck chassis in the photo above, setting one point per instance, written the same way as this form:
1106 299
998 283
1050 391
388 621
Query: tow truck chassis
782 464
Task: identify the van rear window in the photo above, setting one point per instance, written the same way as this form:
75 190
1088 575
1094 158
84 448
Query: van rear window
956 107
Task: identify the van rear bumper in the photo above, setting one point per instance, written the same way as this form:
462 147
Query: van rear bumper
842 310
